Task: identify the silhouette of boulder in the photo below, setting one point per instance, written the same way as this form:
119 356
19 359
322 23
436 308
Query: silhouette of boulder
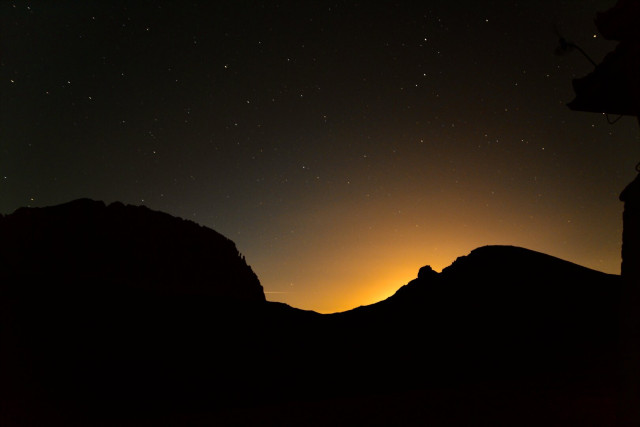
426 273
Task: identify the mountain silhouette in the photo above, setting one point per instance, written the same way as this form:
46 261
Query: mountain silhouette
123 246
122 315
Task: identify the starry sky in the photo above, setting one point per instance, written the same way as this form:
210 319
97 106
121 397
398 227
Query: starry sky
340 145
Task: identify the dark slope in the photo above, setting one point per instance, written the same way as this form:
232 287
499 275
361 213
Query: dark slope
113 313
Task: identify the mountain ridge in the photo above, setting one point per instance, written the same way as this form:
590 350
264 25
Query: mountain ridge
113 346
159 252
486 260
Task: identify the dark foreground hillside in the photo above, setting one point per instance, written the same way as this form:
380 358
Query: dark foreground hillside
119 315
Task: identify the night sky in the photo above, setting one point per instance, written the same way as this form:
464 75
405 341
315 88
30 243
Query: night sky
340 145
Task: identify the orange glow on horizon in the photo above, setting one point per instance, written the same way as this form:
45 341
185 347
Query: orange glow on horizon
359 255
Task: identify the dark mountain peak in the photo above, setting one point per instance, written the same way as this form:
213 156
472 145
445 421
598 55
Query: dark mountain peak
494 255
73 205
85 243
500 276
514 263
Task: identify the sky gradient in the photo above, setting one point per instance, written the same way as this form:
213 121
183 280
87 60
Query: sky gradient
340 145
